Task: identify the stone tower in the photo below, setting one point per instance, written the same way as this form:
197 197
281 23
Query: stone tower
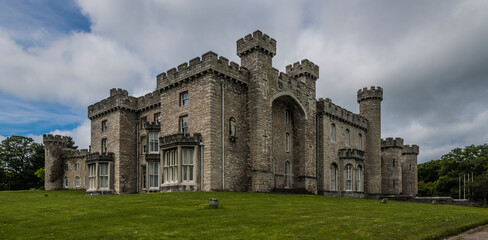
370 108
54 165
256 52
409 170
391 166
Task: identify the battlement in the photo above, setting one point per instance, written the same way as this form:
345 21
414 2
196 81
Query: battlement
256 42
373 93
330 109
96 156
348 153
180 138
82 153
152 126
305 68
149 101
210 62
54 139
392 143
410 149
119 99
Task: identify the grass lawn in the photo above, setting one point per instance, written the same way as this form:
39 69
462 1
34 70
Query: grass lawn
72 215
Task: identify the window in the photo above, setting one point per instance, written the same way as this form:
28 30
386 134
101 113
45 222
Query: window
349 177
143 122
287 117
144 144
332 132
347 137
359 174
287 142
65 167
187 164
287 174
394 162
170 166
157 118
104 145
410 167
144 177
103 175
360 141
184 98
153 142
153 175
65 182
232 128
184 124
77 167
92 174
104 125
77 181
333 177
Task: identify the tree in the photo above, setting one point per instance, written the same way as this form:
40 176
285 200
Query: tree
20 157
71 143
479 188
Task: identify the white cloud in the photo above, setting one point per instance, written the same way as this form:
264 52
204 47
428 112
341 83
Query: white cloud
2 138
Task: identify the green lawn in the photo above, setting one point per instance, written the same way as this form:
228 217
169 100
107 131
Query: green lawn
72 215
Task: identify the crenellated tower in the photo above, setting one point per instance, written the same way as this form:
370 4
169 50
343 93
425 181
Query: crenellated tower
256 52
370 108
54 161
391 166
409 170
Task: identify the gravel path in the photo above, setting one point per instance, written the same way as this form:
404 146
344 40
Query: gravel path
479 233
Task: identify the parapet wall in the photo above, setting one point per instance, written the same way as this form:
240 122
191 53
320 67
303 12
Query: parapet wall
348 153
54 139
305 68
119 99
82 153
392 143
372 93
256 41
330 109
149 101
410 149
210 62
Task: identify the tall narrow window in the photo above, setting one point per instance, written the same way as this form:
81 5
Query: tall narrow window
104 145
144 177
153 174
394 162
360 141
187 164
103 175
65 182
92 174
287 117
359 175
332 132
157 118
287 174
104 125
77 182
143 122
232 128
170 166
77 167
144 144
287 142
349 177
65 167
333 177
153 142
184 98
347 138
184 124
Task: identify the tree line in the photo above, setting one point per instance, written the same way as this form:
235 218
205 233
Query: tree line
442 177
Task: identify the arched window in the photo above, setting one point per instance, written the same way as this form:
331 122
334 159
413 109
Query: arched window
287 174
359 176
360 141
347 137
333 177
65 182
332 132
77 181
349 177
287 117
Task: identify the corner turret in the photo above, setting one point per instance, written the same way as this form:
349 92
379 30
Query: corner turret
367 94
256 42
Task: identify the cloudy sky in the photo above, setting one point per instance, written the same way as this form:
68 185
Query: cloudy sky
430 57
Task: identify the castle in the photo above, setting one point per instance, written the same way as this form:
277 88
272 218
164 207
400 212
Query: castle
215 125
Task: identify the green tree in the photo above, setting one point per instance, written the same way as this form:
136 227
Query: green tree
479 188
20 158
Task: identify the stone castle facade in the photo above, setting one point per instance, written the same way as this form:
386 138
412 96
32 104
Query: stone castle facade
215 125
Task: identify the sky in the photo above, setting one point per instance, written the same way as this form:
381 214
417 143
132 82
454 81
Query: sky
430 58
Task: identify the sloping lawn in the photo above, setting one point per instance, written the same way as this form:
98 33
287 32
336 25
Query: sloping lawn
72 215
